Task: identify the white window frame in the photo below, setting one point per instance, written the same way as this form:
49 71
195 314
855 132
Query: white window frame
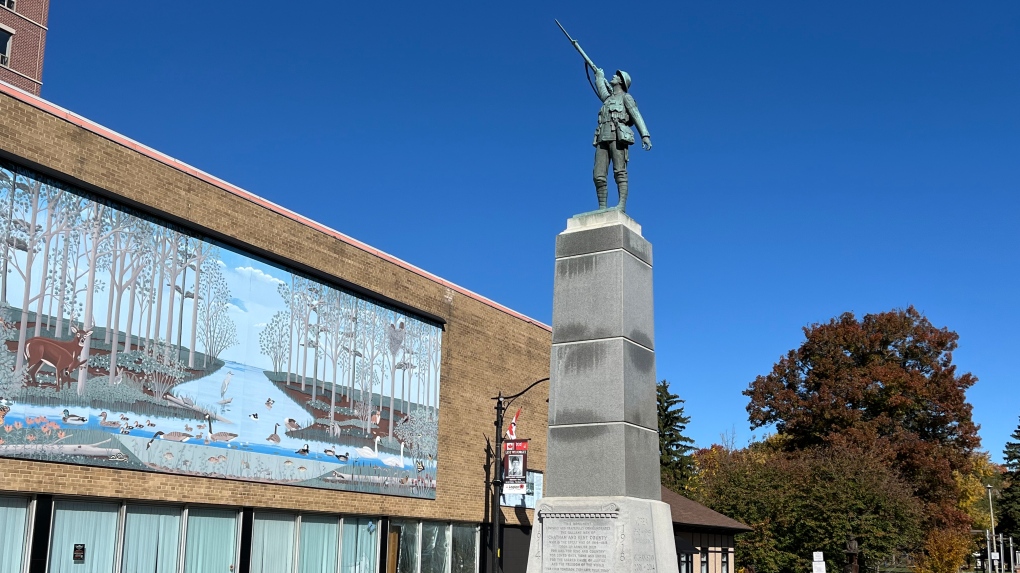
6 60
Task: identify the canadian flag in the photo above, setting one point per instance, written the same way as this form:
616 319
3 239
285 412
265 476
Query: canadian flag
511 431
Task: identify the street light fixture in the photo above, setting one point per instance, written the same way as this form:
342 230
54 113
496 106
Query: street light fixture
502 404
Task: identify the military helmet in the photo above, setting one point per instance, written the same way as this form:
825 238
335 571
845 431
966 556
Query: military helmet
626 79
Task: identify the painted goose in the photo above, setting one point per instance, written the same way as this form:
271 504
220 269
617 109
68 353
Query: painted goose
303 451
172 436
274 437
217 436
292 425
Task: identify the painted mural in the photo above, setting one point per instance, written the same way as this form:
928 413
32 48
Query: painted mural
130 343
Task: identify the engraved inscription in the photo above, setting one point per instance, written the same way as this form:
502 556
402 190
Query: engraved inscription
577 545
643 542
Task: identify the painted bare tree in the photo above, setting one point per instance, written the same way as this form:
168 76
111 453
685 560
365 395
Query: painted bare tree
64 268
298 309
216 329
7 190
101 225
409 370
57 221
162 248
274 338
138 279
285 293
372 343
395 335
26 236
206 258
128 255
337 314
302 304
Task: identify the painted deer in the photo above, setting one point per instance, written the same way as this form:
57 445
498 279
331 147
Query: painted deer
62 355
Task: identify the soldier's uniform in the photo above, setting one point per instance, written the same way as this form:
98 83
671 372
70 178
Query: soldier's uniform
613 137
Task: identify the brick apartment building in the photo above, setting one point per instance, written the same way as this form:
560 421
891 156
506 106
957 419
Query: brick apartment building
23 42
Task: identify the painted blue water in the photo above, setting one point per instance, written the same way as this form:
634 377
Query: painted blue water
248 391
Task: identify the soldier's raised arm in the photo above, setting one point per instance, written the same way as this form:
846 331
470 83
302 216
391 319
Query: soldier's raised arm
601 85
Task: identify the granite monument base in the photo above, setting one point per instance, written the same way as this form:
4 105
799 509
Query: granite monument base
610 534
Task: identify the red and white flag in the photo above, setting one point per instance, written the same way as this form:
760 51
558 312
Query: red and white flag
511 431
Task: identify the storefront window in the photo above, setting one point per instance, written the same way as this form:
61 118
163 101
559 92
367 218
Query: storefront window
403 543
211 541
725 560
319 537
152 536
13 526
91 526
464 557
704 560
435 547
359 546
272 543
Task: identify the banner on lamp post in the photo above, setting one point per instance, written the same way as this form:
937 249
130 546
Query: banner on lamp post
515 467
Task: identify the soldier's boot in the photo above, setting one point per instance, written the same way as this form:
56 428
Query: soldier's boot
621 186
602 192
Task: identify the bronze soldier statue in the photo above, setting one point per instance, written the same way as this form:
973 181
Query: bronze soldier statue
613 136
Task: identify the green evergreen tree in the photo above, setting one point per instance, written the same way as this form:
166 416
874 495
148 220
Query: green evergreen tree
676 459
1008 505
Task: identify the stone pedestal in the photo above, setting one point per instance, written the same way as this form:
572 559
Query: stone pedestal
602 511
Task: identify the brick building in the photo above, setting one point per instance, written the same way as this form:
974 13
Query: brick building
23 42
196 379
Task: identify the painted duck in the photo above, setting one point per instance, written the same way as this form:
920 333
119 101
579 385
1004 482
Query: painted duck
269 403
303 451
73 419
105 424
292 425
343 457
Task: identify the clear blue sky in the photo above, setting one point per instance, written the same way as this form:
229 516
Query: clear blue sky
808 159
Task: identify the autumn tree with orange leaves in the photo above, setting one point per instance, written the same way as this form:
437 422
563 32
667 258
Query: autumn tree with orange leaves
886 383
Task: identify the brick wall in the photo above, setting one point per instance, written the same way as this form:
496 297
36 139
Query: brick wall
28 45
485 349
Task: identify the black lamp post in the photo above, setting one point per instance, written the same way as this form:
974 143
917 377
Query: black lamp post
502 404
